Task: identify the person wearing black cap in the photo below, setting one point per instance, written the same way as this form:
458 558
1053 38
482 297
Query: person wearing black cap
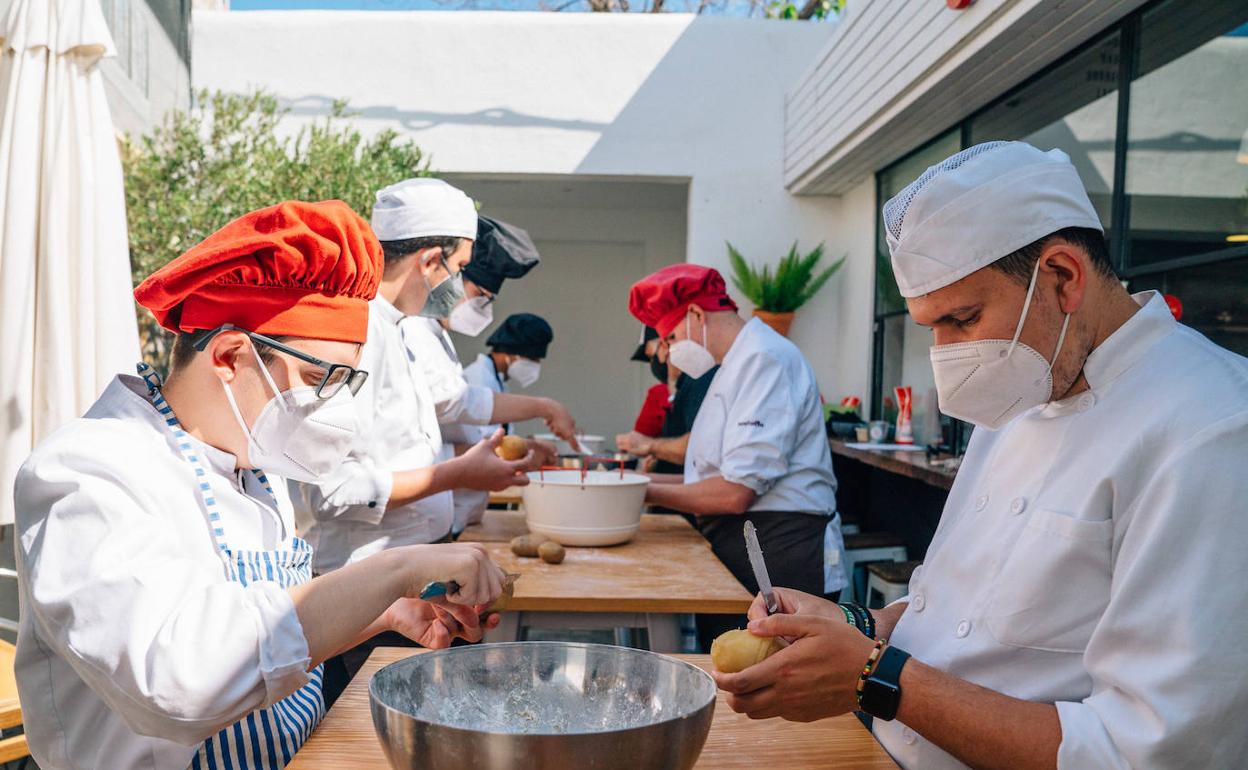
500 251
517 349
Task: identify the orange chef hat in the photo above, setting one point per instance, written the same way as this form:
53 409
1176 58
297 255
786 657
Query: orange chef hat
661 299
298 269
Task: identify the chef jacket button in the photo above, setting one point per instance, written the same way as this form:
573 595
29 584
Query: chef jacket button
981 503
1019 505
919 602
372 503
964 628
908 736
1086 401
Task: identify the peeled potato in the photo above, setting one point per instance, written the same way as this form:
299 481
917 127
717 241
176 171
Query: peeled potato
734 651
526 545
512 448
551 552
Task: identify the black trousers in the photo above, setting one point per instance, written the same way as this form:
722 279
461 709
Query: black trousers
792 546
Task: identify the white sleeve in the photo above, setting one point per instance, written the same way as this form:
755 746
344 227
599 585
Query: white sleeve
1168 662
760 427
162 637
454 399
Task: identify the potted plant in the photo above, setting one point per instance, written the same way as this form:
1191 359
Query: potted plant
777 295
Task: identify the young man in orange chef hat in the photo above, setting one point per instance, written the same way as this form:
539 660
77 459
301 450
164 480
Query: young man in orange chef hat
169 616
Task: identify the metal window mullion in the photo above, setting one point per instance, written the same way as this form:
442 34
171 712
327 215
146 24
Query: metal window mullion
1120 213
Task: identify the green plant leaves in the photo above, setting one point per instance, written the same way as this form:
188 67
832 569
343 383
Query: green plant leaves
792 284
226 156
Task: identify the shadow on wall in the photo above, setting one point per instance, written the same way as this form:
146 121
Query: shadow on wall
315 105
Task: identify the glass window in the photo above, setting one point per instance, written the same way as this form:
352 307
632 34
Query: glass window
1187 149
1214 297
1073 107
889 182
903 344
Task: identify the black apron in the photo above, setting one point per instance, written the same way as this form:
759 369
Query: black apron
792 545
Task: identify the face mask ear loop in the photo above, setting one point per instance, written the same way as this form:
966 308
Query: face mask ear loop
1060 339
269 379
229 396
1022 319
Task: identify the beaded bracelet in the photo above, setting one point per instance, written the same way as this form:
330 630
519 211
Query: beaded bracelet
870 666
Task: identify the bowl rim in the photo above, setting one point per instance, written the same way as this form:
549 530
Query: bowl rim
705 677
627 479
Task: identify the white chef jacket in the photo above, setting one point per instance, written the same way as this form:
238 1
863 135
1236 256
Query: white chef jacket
457 402
470 504
1091 554
761 425
350 514
133 646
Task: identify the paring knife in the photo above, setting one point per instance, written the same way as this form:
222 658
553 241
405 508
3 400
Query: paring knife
755 552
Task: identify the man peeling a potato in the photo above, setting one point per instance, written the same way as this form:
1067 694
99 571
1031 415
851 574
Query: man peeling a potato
1078 606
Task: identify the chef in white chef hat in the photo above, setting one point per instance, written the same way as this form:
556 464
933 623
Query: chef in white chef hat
1071 610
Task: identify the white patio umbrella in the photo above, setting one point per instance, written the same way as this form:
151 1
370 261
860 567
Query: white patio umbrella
67 322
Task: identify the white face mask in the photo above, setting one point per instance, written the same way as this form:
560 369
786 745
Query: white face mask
690 357
990 382
297 435
524 372
471 316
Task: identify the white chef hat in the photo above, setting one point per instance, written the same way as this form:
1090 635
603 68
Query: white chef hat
421 208
977 206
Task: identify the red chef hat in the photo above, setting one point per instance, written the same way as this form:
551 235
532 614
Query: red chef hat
661 299
297 269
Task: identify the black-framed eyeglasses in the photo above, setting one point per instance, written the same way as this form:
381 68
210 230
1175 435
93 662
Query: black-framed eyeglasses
336 375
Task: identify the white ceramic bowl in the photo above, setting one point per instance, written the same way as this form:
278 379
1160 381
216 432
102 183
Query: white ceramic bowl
590 443
601 509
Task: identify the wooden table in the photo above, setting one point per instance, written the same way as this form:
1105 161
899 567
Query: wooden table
346 741
912 464
667 570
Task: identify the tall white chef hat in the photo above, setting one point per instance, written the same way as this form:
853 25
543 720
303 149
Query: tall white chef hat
421 208
977 206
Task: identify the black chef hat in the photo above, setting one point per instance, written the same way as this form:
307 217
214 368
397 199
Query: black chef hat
648 333
501 251
523 334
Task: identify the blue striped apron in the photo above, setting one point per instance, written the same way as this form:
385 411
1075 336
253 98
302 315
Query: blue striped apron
267 738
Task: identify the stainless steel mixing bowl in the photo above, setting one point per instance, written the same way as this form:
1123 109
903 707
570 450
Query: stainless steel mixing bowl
547 705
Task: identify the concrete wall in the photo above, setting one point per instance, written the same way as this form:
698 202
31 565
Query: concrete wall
605 96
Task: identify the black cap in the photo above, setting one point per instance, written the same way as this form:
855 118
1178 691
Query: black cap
523 334
647 334
501 251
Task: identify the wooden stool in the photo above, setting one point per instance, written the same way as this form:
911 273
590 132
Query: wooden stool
863 549
888 581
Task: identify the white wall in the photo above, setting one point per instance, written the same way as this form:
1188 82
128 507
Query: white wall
606 95
595 237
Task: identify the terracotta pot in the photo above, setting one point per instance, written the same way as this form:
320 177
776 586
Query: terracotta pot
778 321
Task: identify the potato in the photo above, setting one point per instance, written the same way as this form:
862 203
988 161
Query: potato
509 590
734 651
512 448
551 552
527 545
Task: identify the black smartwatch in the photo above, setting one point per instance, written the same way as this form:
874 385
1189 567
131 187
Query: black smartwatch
881 693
